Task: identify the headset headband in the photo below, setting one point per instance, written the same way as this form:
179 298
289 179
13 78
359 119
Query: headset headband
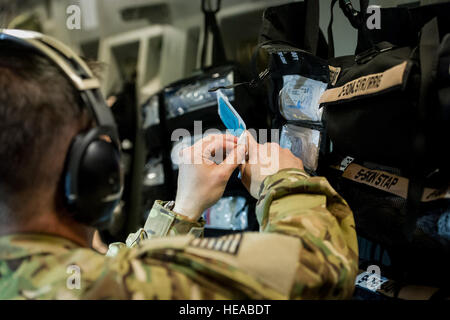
75 69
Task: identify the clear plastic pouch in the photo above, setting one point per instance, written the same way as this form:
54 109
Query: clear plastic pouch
154 172
303 142
299 98
196 95
151 113
229 213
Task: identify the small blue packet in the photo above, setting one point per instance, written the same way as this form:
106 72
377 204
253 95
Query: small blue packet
229 116
232 120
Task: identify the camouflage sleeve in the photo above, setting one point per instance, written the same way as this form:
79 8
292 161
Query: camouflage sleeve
161 222
307 250
294 204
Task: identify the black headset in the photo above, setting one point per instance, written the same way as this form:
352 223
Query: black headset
93 177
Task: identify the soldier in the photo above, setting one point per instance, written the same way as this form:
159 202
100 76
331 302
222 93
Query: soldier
306 247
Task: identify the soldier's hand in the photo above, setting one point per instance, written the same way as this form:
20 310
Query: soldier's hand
265 160
204 171
98 244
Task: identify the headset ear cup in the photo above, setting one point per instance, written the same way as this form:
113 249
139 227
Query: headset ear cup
71 171
94 178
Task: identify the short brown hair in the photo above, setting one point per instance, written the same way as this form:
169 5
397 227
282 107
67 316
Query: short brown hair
39 113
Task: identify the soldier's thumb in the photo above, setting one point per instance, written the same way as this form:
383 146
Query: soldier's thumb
234 159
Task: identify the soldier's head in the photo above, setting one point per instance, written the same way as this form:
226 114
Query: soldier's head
40 113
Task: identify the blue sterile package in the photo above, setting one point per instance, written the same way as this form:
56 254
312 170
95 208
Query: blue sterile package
229 116
299 98
303 142
232 120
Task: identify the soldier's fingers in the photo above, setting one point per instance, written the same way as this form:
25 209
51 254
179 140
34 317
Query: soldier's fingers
252 145
233 160
225 137
218 146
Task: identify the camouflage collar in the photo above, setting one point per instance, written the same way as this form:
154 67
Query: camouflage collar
16 246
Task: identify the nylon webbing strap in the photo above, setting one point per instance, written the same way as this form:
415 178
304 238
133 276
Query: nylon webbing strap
443 84
357 20
211 26
312 29
394 289
429 42
330 31
391 183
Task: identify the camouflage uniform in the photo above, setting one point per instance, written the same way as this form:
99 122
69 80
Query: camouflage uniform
306 249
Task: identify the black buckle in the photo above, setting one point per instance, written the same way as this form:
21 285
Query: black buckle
368 55
352 15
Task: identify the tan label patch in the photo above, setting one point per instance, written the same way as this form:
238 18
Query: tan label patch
435 194
391 183
334 74
366 85
381 180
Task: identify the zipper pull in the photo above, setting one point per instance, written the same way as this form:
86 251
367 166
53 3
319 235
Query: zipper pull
252 84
